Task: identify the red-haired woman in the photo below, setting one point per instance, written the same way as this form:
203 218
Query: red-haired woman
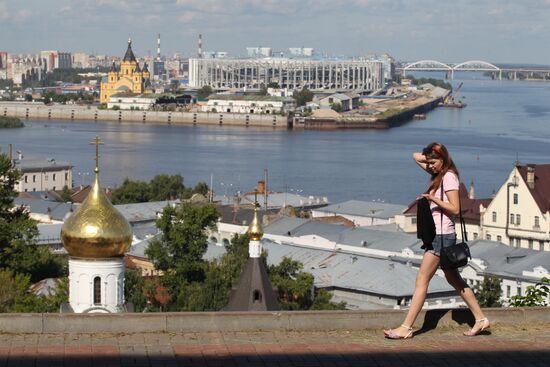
435 160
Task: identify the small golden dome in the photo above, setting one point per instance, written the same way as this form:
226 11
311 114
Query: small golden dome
97 229
255 230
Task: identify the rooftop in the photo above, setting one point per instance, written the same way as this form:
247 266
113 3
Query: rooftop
365 209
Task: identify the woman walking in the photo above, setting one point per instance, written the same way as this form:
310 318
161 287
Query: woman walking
435 160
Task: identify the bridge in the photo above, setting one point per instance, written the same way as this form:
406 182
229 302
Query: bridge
473 65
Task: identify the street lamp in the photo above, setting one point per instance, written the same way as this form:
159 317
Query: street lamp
81 175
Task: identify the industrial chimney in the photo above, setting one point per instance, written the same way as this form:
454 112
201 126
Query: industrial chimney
158 48
199 54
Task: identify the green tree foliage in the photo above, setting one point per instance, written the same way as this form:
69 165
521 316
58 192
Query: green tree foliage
302 97
134 289
161 187
336 106
435 82
295 288
273 85
489 292
204 92
535 295
65 75
131 192
65 196
10 122
179 251
18 250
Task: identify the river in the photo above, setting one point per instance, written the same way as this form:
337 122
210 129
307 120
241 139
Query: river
504 121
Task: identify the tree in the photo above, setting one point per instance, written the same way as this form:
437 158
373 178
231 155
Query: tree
302 97
165 187
179 251
131 192
273 85
204 92
18 249
174 85
489 292
65 196
134 289
535 295
336 106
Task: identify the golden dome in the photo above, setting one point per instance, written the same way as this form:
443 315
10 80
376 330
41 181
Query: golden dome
97 229
255 230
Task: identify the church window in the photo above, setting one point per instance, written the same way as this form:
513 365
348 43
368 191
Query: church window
97 291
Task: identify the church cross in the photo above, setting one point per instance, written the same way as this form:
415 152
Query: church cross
97 142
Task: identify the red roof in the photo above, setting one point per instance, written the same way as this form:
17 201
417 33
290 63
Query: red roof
541 190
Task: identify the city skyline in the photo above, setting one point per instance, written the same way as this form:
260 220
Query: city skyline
488 30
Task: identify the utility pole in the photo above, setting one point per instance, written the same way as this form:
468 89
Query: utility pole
265 189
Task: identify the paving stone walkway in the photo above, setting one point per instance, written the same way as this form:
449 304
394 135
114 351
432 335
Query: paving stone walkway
502 347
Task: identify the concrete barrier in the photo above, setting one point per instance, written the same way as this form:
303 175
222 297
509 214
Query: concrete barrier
200 322
38 111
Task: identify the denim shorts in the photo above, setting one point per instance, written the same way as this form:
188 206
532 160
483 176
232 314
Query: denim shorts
447 240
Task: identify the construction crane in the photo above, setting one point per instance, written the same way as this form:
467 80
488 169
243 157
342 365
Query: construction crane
451 100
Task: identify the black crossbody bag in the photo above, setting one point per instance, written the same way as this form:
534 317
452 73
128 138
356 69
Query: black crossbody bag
454 257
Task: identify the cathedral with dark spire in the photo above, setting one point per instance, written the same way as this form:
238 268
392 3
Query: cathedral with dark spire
128 78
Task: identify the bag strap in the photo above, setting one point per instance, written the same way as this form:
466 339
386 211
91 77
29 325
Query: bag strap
441 213
462 223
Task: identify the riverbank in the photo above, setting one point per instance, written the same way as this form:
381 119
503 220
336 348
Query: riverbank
7 122
39 111
385 120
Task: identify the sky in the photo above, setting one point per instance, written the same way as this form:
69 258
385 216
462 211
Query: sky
498 31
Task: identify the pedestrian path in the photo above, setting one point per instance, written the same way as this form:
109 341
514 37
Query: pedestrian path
504 346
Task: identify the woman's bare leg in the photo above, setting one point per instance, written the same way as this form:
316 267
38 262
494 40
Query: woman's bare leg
456 281
429 265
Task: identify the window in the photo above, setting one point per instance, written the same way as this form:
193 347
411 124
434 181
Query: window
508 291
45 177
518 219
53 188
518 242
537 220
494 217
33 178
488 237
26 180
475 235
530 242
53 177
541 245
66 176
516 199
512 216
519 291
413 220
499 238
97 291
